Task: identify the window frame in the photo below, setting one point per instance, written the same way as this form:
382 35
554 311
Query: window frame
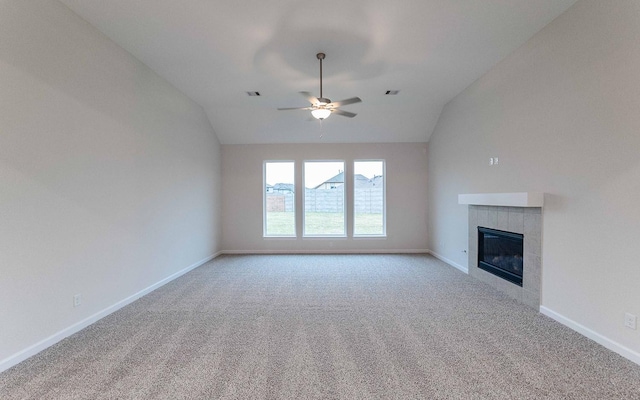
264 200
304 200
384 199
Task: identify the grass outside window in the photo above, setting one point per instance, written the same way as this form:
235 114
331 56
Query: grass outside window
281 223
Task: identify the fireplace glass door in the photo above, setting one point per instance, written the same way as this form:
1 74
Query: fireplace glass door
501 253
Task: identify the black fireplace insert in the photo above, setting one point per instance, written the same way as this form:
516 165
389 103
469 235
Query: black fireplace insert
501 253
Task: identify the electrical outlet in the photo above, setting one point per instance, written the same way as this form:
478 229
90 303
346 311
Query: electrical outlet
630 321
77 299
495 160
491 161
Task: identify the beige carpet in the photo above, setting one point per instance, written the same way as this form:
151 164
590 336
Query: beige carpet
324 327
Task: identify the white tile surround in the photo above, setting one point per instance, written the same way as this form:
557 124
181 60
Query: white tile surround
523 220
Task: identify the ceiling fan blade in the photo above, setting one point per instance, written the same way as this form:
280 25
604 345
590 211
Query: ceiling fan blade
345 102
310 98
295 108
344 113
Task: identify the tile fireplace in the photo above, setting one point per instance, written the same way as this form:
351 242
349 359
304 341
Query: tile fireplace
522 220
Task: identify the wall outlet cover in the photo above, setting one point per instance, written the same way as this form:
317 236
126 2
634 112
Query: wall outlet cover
630 321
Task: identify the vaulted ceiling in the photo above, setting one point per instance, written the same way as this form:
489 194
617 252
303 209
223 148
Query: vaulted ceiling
217 50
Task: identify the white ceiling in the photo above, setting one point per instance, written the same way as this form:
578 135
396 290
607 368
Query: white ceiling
217 50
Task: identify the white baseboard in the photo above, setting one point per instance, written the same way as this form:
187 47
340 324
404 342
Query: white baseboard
450 262
596 337
330 251
78 326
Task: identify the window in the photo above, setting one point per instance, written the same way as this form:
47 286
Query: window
324 207
369 214
279 199
324 198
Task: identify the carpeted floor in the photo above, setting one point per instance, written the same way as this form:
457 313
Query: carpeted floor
324 327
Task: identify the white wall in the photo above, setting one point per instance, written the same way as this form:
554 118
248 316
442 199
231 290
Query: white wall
562 113
406 184
109 177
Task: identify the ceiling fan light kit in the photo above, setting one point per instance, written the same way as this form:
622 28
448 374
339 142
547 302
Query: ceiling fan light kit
322 107
320 113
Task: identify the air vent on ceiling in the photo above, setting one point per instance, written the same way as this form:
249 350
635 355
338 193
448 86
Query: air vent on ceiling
391 92
253 94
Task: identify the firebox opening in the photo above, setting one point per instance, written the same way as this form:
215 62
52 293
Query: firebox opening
501 253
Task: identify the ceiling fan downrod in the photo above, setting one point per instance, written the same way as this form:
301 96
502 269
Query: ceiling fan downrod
321 57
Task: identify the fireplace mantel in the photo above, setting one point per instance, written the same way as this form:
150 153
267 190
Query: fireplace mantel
520 199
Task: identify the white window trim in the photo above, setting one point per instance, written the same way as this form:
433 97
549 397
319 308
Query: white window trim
264 200
384 200
304 201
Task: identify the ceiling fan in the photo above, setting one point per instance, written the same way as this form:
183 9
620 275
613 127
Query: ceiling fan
322 107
